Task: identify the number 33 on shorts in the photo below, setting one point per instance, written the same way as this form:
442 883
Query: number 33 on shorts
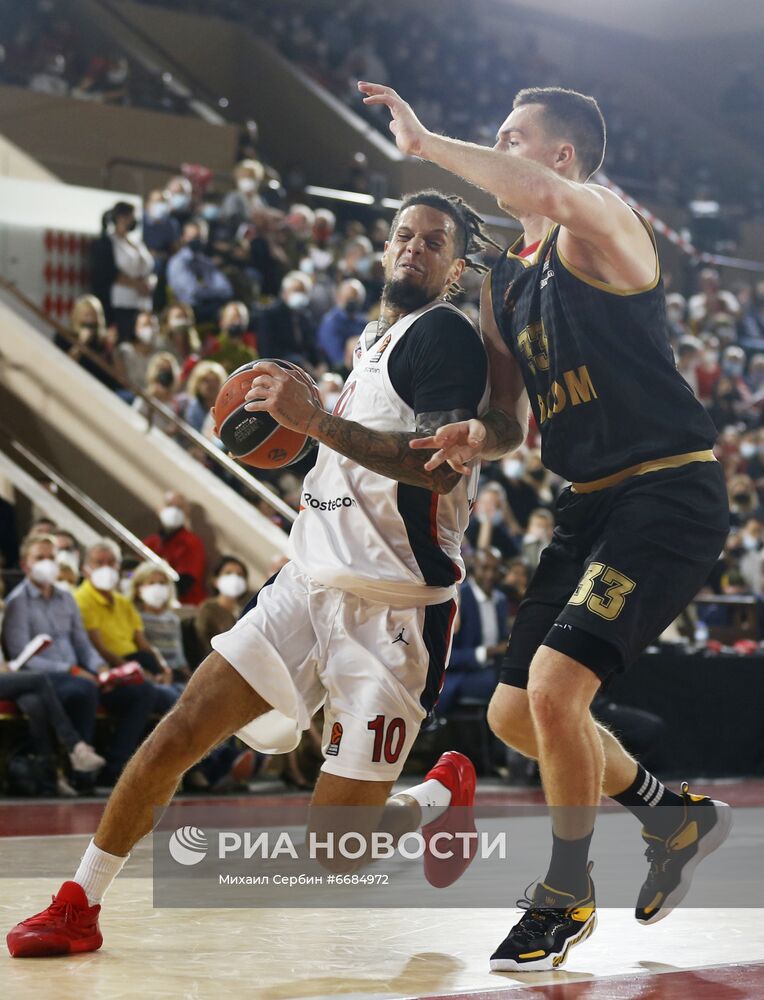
615 586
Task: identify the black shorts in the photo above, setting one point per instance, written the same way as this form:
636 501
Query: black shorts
623 563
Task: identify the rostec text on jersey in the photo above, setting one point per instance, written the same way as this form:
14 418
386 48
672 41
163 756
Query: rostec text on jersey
308 500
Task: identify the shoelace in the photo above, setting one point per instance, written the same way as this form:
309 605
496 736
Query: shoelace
536 919
69 913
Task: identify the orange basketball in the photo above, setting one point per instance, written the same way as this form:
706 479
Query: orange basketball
257 439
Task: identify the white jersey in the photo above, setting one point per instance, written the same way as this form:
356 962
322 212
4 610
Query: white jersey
363 532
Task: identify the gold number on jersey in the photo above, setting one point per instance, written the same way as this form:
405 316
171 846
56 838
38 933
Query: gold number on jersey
610 605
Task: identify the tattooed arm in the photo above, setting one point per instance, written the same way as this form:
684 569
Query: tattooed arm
288 399
388 453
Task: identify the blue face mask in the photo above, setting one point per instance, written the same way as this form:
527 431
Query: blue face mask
179 202
211 213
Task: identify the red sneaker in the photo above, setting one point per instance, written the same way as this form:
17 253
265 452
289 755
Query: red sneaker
67 927
457 773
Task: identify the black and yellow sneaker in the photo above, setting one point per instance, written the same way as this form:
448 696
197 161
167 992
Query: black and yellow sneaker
705 825
552 923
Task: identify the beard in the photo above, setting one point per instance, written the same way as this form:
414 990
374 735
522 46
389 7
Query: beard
405 295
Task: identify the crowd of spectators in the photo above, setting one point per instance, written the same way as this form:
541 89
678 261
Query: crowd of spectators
42 47
121 637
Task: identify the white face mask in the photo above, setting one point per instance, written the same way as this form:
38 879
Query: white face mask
513 468
246 184
44 571
297 300
155 595
104 578
70 559
172 518
145 334
748 449
231 585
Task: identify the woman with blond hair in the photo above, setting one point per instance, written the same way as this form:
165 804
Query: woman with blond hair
132 357
179 336
88 324
153 592
202 389
162 376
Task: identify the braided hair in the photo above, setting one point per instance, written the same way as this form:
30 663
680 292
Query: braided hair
470 237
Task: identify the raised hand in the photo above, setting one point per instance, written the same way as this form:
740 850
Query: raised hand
409 132
458 444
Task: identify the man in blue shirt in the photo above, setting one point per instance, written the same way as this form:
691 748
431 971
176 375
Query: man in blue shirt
37 606
343 323
194 279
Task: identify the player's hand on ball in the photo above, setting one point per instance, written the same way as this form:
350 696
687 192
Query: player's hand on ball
458 444
409 132
284 395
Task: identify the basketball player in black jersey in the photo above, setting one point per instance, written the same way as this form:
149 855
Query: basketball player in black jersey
574 320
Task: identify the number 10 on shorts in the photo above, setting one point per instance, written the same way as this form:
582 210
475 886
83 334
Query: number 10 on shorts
388 739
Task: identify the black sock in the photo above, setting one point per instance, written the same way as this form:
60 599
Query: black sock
567 869
644 796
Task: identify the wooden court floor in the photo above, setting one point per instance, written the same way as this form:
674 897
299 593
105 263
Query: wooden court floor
304 954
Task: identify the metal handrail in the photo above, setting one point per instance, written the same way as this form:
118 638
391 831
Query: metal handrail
128 539
158 408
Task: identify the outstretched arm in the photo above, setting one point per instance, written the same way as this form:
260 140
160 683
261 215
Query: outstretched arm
288 399
590 214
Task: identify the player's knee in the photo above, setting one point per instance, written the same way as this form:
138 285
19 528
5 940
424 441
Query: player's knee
510 721
175 744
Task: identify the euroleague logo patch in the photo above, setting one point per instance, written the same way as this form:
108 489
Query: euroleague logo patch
334 740
277 454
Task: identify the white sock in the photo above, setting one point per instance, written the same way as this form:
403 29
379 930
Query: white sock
97 871
433 797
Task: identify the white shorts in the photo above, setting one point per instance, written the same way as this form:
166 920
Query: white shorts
376 670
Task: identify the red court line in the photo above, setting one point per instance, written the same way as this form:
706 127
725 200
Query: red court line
721 982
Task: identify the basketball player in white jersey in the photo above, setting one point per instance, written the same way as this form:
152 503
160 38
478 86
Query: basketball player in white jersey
360 619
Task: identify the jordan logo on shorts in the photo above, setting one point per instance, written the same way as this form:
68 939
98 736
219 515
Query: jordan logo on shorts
399 637
334 740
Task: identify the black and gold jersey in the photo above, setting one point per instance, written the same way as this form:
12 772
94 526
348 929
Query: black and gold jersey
597 365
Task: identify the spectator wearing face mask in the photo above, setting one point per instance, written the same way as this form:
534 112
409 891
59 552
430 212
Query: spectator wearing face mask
219 613
132 285
688 357
204 384
153 593
710 300
286 330
87 321
179 336
181 548
72 662
162 377
744 501
69 558
492 525
234 345
537 536
132 357
179 194
239 204
344 322
194 278
161 234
